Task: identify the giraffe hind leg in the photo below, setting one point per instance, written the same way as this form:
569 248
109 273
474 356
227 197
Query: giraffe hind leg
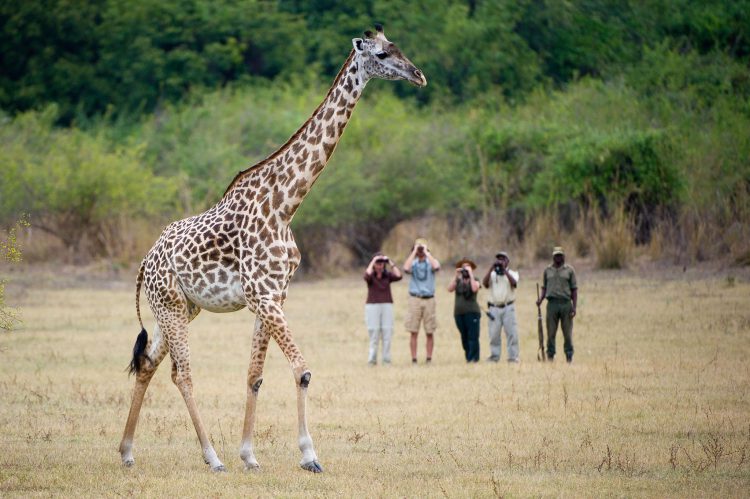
147 355
174 322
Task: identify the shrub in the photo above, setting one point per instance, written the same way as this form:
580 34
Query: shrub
9 252
609 169
73 184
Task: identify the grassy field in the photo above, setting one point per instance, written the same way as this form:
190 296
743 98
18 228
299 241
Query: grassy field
657 402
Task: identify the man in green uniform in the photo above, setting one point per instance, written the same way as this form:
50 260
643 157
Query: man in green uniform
561 290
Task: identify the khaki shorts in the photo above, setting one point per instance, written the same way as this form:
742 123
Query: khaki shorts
421 311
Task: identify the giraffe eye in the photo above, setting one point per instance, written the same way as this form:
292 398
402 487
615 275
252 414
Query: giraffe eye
381 55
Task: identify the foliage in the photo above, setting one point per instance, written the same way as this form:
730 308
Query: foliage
213 137
706 101
465 48
84 54
623 167
10 251
73 184
532 107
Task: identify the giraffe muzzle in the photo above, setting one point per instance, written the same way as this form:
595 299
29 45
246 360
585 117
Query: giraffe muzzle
419 79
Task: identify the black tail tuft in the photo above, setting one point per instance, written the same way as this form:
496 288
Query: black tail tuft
138 350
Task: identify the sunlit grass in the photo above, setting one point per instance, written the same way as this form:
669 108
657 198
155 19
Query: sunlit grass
656 403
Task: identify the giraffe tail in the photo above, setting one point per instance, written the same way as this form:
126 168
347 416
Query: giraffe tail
138 350
138 283
142 340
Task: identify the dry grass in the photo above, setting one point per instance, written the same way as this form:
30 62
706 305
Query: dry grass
613 240
657 402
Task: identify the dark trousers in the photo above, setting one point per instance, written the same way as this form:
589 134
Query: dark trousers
468 326
558 311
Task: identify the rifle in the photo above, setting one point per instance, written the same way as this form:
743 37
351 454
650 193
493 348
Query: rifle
540 355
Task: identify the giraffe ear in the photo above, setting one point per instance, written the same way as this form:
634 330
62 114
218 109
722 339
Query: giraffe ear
357 43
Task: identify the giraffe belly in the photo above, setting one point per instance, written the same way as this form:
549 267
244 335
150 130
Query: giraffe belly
225 297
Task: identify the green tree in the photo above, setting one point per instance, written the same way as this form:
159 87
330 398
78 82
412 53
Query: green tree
48 53
129 56
160 50
464 48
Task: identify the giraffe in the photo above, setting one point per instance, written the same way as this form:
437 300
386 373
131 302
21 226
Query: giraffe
240 253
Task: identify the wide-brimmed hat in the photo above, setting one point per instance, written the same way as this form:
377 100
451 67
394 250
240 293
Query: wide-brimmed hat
557 250
502 253
464 261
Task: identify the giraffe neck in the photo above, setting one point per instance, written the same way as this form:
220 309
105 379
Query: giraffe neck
281 181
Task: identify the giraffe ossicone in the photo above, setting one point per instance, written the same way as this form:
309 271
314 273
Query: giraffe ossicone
241 253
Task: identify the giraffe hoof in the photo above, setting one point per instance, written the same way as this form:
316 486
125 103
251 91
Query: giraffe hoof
313 466
252 467
219 469
128 463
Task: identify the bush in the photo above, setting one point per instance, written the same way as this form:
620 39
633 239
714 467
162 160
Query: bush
612 168
73 184
9 252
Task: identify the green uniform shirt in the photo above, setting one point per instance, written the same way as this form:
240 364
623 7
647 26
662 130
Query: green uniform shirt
559 281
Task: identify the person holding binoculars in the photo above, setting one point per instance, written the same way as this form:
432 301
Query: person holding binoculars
379 305
502 283
466 311
422 266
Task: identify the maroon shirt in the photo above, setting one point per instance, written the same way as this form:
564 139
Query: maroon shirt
379 290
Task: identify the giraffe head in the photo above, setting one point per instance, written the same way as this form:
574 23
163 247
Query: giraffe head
382 59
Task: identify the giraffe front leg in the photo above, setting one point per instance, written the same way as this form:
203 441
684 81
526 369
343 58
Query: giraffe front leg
273 319
254 380
309 460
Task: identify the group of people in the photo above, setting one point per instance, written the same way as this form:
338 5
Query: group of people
559 288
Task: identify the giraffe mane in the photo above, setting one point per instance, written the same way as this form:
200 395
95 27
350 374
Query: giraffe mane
242 174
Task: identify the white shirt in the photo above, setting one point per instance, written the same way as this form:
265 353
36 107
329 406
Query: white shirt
500 289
